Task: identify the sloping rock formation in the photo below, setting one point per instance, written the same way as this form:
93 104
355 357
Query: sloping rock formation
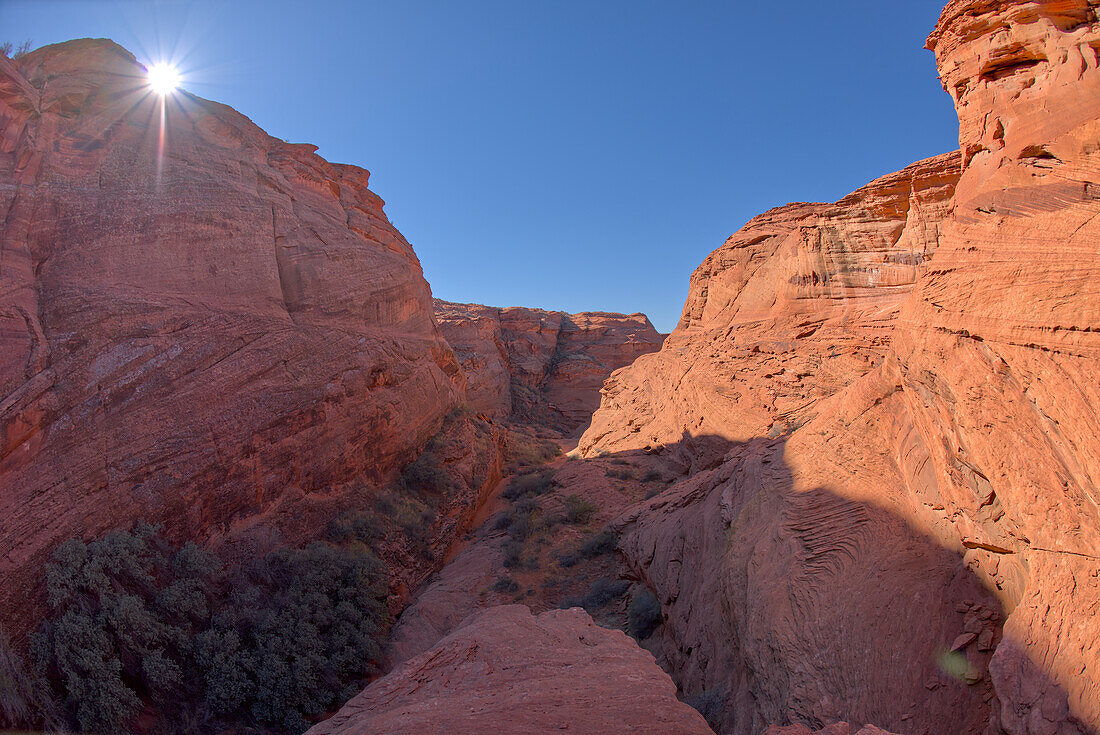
199 324
794 307
899 524
538 366
506 670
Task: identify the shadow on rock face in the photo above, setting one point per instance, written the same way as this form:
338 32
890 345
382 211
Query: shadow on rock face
789 604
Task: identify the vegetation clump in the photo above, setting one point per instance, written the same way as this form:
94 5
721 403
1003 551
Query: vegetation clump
602 592
14 52
134 620
534 483
524 450
579 511
643 614
599 544
711 704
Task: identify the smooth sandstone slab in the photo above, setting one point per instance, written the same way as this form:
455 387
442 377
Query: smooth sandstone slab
508 671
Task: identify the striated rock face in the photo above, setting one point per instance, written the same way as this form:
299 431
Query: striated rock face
899 522
506 670
543 367
999 347
199 324
792 308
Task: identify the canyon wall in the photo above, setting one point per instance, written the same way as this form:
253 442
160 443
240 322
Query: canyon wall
894 516
541 367
200 324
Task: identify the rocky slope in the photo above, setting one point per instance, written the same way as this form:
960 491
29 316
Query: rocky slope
541 367
200 324
897 521
506 670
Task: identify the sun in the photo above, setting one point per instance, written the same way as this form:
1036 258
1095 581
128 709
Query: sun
163 78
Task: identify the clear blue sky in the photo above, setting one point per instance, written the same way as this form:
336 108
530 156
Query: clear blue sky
565 154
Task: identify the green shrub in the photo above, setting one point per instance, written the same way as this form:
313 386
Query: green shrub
529 484
506 585
568 559
579 511
134 620
426 478
599 544
24 698
652 476
711 704
643 614
305 624
524 450
602 592
363 528
620 474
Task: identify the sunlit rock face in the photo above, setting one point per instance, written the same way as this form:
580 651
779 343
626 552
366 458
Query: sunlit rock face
897 522
794 307
199 324
507 671
542 367
999 348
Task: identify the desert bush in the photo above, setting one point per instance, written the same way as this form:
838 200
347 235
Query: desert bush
506 585
529 484
524 450
24 698
578 511
14 52
363 528
568 558
426 478
304 624
711 704
602 592
643 614
122 611
652 476
619 474
134 620
598 544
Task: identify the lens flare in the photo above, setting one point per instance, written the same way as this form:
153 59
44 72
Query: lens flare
163 78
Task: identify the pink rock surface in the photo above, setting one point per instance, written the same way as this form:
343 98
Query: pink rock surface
199 328
508 671
794 307
924 480
542 367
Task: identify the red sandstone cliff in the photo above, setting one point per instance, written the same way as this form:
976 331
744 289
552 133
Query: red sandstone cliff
199 324
900 522
538 366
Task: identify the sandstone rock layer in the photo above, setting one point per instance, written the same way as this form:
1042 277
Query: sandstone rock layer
541 367
199 324
898 521
508 671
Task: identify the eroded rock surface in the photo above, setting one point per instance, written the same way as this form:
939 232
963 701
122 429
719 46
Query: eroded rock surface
542 367
506 670
199 324
795 306
899 522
